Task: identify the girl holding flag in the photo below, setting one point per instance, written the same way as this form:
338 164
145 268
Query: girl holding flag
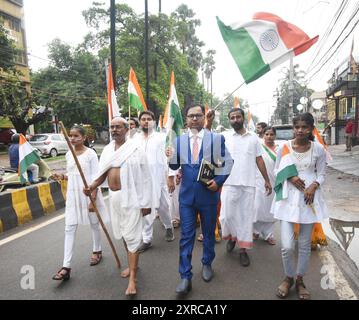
300 172
79 210
263 219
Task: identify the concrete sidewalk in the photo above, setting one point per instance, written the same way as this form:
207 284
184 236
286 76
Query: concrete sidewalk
344 161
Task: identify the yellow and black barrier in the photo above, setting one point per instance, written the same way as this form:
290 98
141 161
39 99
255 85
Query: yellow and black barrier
25 204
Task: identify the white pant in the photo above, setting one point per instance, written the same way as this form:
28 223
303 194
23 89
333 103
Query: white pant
34 168
70 233
164 214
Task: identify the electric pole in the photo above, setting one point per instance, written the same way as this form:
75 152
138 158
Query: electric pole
146 56
113 40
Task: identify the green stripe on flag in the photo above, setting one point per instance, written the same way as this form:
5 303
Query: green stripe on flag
175 113
285 174
28 160
135 102
244 51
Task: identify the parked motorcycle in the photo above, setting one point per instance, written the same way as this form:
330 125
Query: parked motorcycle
9 178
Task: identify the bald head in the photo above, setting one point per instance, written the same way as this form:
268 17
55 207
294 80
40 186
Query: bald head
118 121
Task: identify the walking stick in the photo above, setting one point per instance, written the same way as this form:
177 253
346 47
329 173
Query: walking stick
91 199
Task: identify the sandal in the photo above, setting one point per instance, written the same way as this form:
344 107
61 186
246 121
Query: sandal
97 259
200 237
283 289
62 276
255 236
302 292
271 241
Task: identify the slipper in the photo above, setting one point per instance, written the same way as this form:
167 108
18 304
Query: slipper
97 260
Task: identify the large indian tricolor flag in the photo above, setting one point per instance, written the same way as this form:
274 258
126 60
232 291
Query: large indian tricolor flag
173 117
285 171
135 96
27 156
262 44
113 108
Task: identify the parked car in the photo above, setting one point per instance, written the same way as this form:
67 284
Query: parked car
49 144
284 132
5 136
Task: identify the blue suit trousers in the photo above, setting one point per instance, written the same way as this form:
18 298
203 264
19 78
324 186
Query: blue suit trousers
188 215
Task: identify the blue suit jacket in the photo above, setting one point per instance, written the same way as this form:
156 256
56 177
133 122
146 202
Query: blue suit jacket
213 150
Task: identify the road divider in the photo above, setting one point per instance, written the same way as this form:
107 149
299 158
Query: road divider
26 204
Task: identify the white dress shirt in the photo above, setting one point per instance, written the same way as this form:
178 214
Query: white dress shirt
200 136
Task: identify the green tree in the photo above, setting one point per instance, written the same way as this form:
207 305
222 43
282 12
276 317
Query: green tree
285 95
164 53
185 33
16 103
75 81
8 50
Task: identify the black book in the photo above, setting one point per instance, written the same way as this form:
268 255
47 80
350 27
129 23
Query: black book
206 172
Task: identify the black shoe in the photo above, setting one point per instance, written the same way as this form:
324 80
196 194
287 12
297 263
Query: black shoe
230 245
207 273
244 259
184 286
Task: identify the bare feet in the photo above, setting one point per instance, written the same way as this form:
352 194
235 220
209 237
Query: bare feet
125 273
131 289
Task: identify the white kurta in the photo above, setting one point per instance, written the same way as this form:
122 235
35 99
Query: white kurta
77 203
311 167
263 202
135 193
154 148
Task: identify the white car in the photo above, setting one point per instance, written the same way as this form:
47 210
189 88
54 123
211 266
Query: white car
284 132
49 144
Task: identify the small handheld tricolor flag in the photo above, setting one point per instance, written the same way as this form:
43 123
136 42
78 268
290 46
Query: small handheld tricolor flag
285 171
27 156
173 117
113 108
135 96
262 44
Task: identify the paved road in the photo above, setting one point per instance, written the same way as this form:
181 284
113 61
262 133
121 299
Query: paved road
43 250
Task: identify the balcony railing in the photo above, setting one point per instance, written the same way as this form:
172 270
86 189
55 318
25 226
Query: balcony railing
348 81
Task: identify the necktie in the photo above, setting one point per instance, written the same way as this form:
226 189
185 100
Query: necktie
195 148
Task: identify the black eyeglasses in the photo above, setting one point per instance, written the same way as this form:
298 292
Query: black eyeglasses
197 116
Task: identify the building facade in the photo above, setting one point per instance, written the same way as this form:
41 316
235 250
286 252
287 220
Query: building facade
12 17
343 101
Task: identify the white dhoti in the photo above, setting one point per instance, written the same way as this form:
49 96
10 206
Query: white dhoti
135 194
126 223
237 212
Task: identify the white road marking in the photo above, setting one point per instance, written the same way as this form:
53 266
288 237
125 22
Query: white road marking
32 229
35 228
342 286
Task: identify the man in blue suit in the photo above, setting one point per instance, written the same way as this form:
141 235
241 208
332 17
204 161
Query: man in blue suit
188 152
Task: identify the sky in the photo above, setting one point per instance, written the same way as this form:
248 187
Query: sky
46 20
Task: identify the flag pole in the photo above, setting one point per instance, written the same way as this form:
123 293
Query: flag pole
91 199
219 104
